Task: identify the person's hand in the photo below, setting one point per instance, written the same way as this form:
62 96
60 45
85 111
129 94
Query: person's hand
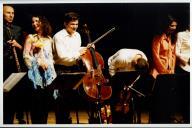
43 67
36 49
182 62
83 51
14 43
170 71
90 45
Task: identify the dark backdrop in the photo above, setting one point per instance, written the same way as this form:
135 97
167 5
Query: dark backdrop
135 23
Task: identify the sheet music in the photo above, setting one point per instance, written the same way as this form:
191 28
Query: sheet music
12 80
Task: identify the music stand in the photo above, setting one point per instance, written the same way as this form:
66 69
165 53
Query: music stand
69 80
12 80
168 97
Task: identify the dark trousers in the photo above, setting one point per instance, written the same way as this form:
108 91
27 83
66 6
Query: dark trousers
40 104
63 107
184 82
64 84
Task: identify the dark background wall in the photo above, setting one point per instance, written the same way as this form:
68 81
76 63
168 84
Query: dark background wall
135 23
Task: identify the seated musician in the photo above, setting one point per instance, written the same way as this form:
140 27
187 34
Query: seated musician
67 53
124 60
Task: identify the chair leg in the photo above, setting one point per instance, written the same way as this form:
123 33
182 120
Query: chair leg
77 116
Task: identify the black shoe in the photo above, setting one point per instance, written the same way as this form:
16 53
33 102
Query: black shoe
22 122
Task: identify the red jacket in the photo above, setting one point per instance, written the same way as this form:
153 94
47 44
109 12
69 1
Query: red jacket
164 56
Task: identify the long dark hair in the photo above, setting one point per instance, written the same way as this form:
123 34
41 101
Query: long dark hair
163 23
45 25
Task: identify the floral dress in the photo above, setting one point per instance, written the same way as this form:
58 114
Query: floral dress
34 58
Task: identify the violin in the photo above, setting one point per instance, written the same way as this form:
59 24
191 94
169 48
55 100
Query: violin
95 85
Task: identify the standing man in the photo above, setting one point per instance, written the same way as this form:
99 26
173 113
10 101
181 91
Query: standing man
67 51
12 38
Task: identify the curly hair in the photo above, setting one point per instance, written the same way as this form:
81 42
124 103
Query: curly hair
45 25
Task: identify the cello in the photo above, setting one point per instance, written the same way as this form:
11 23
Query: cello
95 86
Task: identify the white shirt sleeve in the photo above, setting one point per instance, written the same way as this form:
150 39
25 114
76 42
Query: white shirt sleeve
111 64
178 45
183 45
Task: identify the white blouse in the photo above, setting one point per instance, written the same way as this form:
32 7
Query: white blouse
183 46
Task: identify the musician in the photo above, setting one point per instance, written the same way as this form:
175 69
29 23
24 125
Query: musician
125 60
12 37
39 60
164 61
164 48
67 53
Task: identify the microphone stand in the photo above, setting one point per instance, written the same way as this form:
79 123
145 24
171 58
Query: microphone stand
130 87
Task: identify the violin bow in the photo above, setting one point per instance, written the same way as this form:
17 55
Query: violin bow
102 36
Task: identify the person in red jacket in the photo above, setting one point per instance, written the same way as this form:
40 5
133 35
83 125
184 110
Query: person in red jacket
164 49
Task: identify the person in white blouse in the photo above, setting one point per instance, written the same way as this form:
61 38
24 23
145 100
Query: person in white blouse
183 50
67 52
37 55
127 60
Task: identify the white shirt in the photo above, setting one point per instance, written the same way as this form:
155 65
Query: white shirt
66 48
183 46
122 59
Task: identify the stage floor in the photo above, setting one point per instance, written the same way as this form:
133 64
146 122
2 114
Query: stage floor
83 117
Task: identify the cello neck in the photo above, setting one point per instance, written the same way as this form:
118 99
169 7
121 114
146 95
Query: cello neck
95 62
92 51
